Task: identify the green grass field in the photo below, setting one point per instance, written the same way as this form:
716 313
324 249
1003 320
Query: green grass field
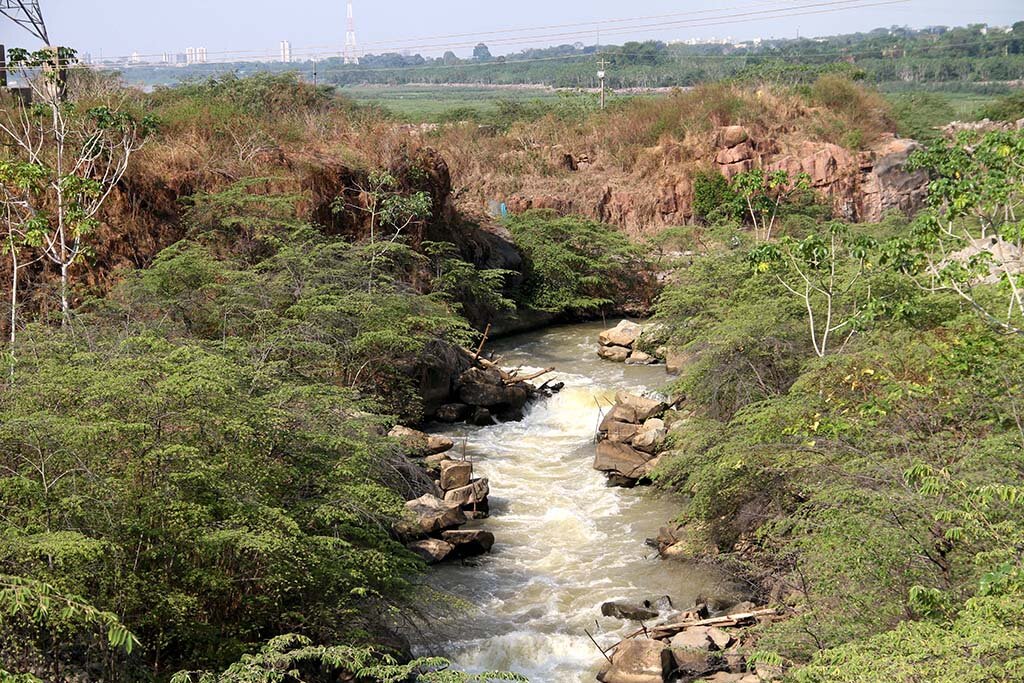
419 103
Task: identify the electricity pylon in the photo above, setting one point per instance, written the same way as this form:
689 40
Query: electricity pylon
27 15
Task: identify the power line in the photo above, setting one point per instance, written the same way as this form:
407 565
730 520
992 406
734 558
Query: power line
790 10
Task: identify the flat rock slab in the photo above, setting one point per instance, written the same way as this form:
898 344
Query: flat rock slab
620 458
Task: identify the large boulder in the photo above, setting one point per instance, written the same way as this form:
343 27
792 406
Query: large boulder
479 387
474 494
624 334
420 444
643 408
452 412
691 650
469 542
431 550
616 354
621 459
638 661
455 474
432 515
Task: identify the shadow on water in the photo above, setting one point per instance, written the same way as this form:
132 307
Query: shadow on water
565 542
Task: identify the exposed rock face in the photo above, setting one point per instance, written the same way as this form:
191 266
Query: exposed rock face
1001 257
638 661
862 186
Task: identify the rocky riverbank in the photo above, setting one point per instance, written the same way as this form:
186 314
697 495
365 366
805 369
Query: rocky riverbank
432 525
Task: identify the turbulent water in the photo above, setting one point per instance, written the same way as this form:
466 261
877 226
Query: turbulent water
565 542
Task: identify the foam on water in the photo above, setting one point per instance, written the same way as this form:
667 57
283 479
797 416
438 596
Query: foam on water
565 542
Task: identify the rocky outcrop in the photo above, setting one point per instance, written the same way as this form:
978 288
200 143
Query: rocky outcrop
628 440
619 344
690 646
862 185
431 526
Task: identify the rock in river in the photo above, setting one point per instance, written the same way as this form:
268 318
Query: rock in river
469 542
431 550
621 459
473 494
455 474
617 354
624 334
432 515
628 611
643 408
638 661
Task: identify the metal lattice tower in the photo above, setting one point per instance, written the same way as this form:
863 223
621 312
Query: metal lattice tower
27 15
351 53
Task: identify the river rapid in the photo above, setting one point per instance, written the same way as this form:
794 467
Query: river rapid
565 542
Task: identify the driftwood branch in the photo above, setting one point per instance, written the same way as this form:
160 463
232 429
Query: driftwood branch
479 349
668 630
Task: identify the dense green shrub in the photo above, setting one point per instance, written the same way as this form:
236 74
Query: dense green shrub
714 200
573 265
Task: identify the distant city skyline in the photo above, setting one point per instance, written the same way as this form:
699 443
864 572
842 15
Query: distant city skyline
253 29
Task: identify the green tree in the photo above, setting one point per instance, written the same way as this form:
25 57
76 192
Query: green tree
822 271
765 194
969 241
79 155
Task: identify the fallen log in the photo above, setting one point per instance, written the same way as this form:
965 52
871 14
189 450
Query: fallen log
669 630
514 377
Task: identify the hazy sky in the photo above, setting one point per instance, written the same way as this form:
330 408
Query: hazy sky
120 27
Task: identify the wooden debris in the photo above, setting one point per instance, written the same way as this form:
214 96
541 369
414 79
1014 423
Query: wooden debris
668 630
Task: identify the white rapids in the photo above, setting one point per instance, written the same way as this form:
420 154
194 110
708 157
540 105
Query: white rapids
565 542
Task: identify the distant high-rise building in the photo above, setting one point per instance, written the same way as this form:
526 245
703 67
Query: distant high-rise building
190 55
201 55
351 47
135 58
286 51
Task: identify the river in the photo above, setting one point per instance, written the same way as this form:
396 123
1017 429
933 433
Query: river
565 542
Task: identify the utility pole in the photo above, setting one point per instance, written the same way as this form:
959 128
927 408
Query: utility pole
351 47
601 74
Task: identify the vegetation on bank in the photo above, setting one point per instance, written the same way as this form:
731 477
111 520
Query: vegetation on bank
870 484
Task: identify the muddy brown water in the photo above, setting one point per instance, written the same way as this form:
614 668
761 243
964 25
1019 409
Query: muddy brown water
565 542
